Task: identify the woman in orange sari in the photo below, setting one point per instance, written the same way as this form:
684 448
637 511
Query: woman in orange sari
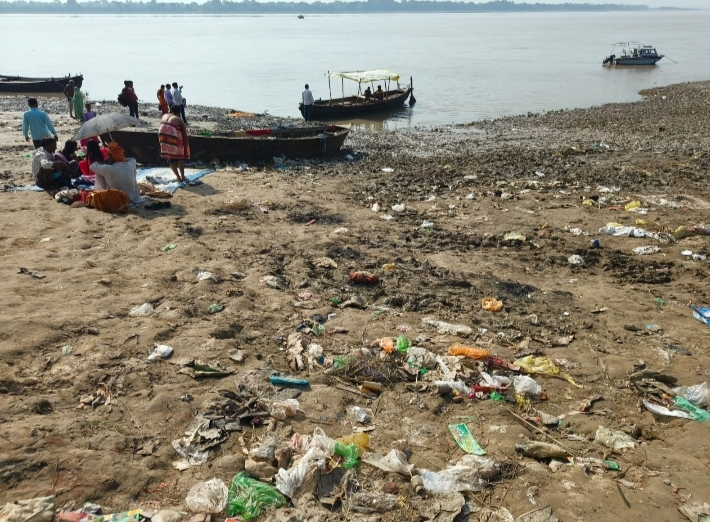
163 105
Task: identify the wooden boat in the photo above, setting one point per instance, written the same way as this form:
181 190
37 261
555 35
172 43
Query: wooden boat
299 142
22 84
356 105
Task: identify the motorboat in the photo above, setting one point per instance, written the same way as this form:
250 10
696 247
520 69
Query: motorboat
633 54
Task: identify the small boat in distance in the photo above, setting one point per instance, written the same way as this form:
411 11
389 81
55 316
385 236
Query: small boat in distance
300 17
633 54
246 145
351 106
24 85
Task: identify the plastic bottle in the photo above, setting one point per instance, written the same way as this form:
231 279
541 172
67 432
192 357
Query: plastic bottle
403 344
361 440
471 352
541 450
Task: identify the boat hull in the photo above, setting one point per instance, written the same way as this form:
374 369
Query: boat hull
353 106
21 84
292 143
631 60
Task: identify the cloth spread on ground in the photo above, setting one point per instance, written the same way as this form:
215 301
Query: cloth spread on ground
172 146
113 201
163 178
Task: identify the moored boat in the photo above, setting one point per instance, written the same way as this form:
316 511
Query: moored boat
633 54
297 142
23 84
358 104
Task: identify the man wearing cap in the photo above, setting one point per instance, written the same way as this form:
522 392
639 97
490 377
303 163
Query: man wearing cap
37 123
118 173
131 97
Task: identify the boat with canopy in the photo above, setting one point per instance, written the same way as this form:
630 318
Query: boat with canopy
633 54
392 96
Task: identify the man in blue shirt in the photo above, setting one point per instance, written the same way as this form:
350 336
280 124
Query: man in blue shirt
37 123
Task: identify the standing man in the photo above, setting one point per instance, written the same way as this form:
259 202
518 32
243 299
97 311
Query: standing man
307 104
131 97
37 123
169 95
179 100
69 93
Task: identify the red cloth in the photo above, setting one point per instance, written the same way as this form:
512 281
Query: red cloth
130 94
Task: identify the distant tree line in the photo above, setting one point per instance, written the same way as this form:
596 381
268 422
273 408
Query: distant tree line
253 7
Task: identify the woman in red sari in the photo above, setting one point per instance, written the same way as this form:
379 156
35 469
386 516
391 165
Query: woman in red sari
174 147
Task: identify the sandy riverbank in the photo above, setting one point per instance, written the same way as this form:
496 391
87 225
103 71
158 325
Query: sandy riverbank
475 184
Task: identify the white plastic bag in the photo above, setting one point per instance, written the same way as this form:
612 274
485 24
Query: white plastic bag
322 441
363 415
524 384
421 357
288 480
699 395
281 410
366 502
394 462
471 473
446 328
207 497
617 440
160 351
143 310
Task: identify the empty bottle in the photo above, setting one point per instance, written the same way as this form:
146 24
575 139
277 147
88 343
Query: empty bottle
471 352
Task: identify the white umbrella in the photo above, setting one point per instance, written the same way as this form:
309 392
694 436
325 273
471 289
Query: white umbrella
105 124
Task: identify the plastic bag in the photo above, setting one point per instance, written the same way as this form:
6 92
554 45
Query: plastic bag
526 385
281 410
249 498
422 358
490 304
288 480
143 310
160 351
471 473
446 328
207 497
696 413
394 462
496 381
617 440
299 443
349 453
366 503
266 449
362 415
403 344
540 365
322 441
699 395
449 386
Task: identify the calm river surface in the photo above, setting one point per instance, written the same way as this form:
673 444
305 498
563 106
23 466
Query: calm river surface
465 66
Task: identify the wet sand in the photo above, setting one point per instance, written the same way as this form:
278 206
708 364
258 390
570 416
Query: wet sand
527 174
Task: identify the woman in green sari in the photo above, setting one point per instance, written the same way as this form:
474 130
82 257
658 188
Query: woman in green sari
78 102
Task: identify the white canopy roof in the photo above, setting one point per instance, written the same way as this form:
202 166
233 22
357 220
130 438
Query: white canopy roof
366 76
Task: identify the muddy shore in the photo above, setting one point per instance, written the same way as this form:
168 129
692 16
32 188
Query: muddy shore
68 343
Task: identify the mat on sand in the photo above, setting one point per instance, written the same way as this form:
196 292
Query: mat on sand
162 177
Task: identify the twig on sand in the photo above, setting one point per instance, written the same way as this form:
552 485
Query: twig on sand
138 425
56 475
618 488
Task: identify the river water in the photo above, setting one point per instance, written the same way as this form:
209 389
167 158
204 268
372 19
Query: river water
465 67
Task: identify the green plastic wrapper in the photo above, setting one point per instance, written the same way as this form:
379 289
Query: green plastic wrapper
495 396
249 498
698 414
350 454
215 308
403 344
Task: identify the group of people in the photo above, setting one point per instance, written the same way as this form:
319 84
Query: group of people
378 95
167 99
53 171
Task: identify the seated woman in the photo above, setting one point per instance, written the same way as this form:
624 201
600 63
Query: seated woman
117 172
68 156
